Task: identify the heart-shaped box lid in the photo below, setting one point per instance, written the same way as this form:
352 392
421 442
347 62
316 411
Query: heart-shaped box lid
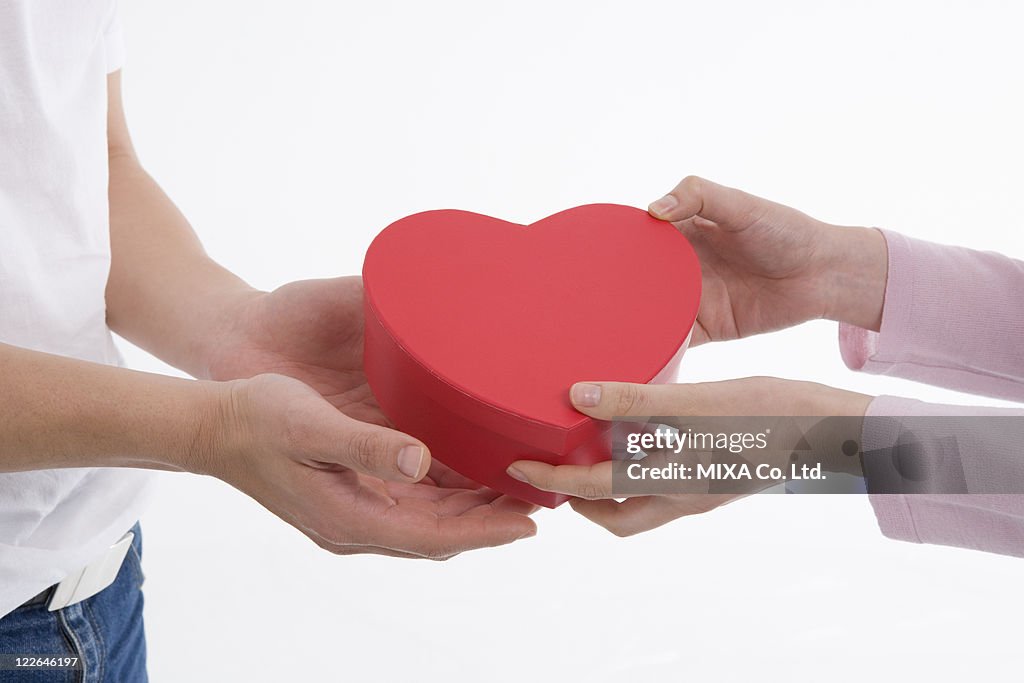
500 319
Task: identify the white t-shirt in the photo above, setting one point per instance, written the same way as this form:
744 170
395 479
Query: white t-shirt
54 263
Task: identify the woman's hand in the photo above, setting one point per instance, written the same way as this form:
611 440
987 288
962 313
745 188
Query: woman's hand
754 396
766 266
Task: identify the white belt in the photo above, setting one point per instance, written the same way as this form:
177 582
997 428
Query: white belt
91 579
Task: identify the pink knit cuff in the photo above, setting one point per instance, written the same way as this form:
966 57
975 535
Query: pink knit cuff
874 351
892 511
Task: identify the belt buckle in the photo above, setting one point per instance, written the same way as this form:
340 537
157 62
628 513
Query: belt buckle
93 578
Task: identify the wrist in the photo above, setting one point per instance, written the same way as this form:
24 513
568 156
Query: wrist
212 433
232 316
855 274
835 440
843 403
844 431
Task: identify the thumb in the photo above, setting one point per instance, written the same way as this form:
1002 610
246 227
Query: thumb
730 208
379 452
605 400
292 416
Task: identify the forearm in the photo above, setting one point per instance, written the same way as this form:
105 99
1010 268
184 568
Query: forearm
57 412
165 293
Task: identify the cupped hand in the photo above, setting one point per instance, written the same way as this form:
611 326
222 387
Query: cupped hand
306 437
767 266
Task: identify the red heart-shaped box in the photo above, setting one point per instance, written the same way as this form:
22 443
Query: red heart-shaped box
476 328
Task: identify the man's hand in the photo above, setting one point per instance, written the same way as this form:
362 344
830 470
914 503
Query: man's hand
754 396
766 266
308 440
337 482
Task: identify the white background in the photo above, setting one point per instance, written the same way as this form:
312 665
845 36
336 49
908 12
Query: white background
291 132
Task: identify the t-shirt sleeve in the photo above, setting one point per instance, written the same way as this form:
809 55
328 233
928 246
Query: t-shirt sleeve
113 40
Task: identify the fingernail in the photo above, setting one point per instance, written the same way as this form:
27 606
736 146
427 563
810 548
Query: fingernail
586 395
528 534
663 205
409 460
516 474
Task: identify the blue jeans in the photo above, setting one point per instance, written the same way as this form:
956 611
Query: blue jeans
104 632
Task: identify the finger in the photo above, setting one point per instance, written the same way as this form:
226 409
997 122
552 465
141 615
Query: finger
354 549
378 451
636 515
448 502
445 477
442 502
581 481
498 504
745 396
514 505
621 519
347 549
415 531
729 208
605 400
431 495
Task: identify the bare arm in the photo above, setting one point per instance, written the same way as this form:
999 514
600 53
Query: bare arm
165 293
272 437
60 412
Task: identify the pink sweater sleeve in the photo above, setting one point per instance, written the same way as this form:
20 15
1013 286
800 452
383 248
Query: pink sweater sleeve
990 516
953 317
